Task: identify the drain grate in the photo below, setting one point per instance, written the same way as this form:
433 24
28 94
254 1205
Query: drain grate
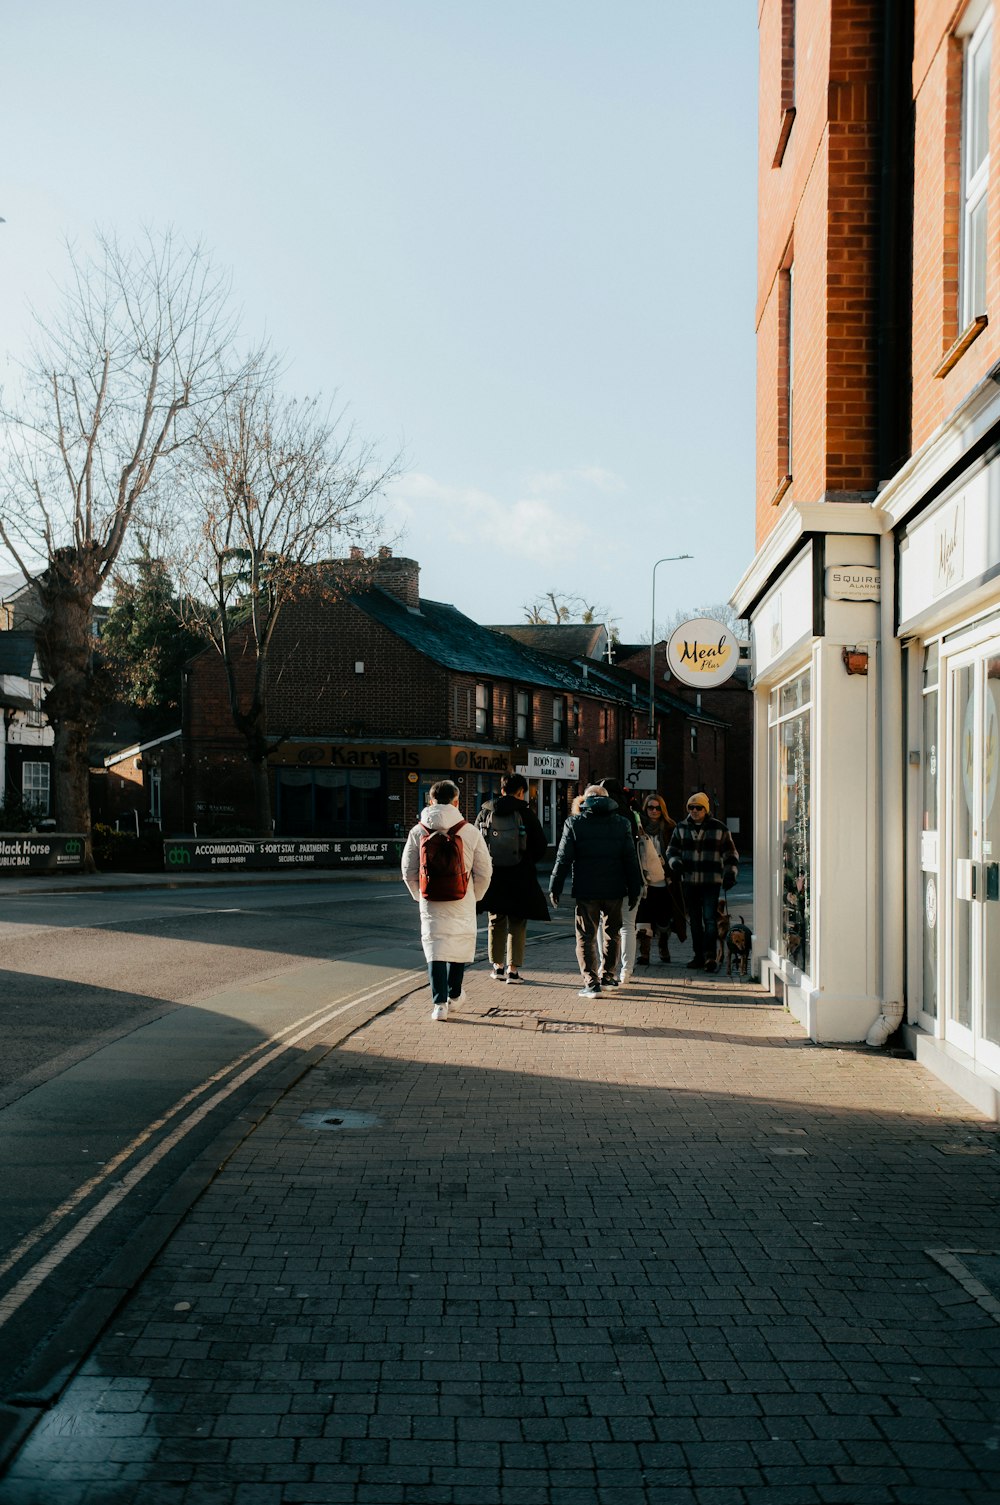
570 1027
500 1013
338 1118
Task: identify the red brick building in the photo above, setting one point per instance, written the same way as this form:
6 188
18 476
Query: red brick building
874 595
373 697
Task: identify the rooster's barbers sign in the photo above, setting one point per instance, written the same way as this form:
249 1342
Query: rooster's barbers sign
702 653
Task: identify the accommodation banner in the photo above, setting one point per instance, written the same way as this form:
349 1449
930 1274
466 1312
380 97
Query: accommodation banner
188 854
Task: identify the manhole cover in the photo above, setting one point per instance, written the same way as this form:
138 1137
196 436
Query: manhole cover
788 1149
978 1271
338 1118
965 1149
570 1027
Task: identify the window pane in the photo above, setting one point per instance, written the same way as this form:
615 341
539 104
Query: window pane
35 787
793 834
978 84
975 261
794 695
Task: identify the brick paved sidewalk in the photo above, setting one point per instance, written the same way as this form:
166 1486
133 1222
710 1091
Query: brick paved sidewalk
653 1248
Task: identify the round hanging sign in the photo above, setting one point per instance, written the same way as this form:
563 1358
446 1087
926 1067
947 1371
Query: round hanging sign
702 653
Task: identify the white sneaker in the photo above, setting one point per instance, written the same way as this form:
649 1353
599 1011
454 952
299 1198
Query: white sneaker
439 1011
459 998
513 976
624 977
498 974
589 992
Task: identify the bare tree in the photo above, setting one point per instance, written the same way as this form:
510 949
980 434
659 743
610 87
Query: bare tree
558 606
276 488
720 612
118 381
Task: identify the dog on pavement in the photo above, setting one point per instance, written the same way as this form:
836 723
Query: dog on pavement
722 923
738 943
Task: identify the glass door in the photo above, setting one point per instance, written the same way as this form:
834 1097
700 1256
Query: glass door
972 1018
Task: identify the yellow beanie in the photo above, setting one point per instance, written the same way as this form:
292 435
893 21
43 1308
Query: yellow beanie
700 799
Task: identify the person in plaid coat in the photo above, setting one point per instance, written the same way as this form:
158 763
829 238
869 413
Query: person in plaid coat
703 855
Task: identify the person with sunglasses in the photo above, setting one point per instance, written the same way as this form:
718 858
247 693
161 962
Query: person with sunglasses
661 908
703 855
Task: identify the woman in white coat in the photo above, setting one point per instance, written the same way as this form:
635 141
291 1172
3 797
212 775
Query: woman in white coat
447 926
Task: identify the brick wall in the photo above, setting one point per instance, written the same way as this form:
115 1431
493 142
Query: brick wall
818 214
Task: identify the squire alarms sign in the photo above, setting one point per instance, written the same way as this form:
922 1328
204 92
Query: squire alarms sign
702 653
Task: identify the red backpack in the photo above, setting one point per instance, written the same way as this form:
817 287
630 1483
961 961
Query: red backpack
442 864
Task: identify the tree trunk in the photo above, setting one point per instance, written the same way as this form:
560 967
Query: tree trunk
67 592
260 773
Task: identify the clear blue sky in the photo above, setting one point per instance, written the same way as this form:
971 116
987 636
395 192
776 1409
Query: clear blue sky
516 236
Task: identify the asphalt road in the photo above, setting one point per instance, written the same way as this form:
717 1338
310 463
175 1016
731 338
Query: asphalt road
137 1027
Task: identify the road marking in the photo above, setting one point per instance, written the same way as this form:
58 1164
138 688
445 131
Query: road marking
29 1283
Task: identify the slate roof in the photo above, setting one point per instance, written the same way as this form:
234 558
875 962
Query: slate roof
614 681
444 634
567 640
11 584
17 653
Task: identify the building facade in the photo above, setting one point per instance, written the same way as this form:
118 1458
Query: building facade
373 697
874 595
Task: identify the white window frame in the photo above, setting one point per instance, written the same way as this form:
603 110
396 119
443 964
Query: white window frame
484 708
975 179
559 735
36 787
523 713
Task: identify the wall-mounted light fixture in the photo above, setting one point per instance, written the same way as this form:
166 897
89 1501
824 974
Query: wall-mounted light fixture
359 666
855 660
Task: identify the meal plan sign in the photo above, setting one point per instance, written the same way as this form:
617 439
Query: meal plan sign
702 653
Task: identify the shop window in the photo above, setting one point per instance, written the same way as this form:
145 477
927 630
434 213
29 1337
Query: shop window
523 727
484 709
790 716
35 787
559 721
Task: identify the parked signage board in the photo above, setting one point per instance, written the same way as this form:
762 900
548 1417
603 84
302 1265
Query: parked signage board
640 763
703 653
189 854
549 765
31 852
853 582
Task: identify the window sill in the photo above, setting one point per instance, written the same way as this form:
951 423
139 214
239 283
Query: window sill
780 490
787 121
968 336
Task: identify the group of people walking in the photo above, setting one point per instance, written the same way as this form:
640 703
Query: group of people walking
635 875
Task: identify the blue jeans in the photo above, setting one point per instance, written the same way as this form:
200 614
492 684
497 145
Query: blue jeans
446 980
702 904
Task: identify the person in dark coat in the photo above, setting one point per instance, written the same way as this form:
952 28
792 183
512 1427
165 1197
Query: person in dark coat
598 849
703 855
514 896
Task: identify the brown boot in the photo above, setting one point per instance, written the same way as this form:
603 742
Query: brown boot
663 941
644 938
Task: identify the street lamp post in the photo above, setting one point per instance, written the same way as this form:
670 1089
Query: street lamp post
668 559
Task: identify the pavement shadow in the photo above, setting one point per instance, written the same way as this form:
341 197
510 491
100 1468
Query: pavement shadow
438 1278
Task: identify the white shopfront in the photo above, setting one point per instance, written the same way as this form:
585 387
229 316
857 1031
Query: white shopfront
949 629
812 597
551 778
